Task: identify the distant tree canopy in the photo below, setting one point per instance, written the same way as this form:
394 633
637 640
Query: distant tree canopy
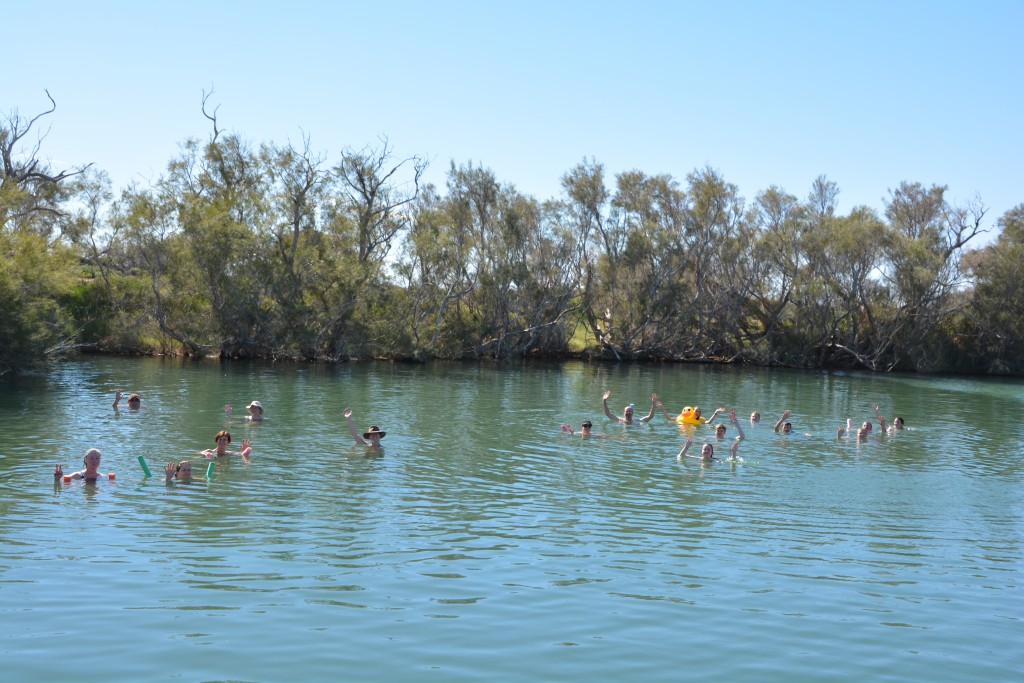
267 251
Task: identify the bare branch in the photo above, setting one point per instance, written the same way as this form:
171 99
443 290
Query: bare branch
211 117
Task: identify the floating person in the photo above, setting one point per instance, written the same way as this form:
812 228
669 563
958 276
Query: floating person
897 422
707 452
371 437
91 472
181 471
255 410
134 400
787 427
627 412
720 432
585 428
222 439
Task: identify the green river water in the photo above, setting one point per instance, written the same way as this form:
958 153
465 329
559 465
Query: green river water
483 543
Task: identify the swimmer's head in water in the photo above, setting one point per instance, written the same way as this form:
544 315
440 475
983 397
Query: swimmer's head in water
707 450
720 430
134 401
222 433
755 416
787 428
898 422
183 469
91 456
587 424
374 430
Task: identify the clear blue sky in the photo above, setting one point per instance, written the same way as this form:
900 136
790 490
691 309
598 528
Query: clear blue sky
768 93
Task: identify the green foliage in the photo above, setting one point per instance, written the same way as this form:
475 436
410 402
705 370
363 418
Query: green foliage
270 251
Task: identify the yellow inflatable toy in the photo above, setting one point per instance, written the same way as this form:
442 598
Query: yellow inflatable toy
688 417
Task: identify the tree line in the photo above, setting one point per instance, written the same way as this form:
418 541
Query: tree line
269 251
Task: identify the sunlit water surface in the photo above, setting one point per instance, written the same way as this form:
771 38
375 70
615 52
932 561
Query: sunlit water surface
486 544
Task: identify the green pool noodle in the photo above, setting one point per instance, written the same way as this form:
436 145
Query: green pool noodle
209 470
145 467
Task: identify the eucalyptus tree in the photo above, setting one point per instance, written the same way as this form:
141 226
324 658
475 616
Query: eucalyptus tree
712 221
774 257
295 271
434 269
502 229
644 299
849 314
33 196
367 200
98 295
584 215
997 299
923 248
220 188
36 262
176 304
376 188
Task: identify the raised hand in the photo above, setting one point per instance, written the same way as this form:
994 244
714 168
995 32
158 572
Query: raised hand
246 445
607 395
58 471
169 470
228 409
347 413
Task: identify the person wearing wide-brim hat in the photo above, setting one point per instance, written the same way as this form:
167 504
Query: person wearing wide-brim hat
255 411
371 437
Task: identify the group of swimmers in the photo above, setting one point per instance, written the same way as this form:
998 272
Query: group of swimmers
182 470
692 416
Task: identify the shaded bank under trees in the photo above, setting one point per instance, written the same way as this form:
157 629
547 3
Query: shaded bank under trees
259 250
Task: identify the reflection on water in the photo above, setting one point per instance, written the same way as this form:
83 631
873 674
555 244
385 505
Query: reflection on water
485 540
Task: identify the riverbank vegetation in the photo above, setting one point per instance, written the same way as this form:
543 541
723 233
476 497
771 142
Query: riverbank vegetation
268 251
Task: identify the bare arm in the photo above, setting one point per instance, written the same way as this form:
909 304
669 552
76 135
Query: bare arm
351 427
117 399
667 416
785 414
881 420
736 424
714 415
686 447
654 401
604 402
